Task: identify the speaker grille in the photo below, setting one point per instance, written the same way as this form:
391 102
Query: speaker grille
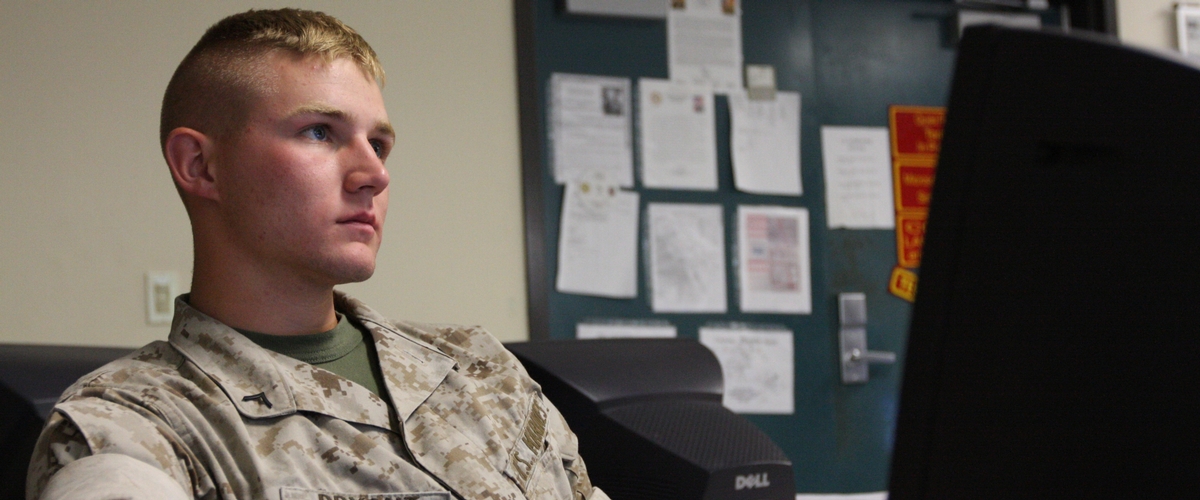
714 437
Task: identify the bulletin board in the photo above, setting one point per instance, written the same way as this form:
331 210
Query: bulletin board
850 60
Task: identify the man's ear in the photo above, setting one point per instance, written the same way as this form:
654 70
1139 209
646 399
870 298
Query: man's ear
191 156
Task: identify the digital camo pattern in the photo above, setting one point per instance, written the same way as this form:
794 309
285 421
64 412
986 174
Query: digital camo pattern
228 419
301 494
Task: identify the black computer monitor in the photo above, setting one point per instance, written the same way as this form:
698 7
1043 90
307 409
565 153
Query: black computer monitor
1054 350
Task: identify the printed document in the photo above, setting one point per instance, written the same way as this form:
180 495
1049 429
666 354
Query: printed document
687 258
774 271
874 495
597 241
757 367
765 137
678 135
858 177
590 129
704 43
625 329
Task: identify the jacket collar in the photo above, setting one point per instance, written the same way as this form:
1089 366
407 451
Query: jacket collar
265 384
412 369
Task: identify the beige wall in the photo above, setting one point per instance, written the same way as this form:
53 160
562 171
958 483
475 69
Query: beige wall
87 206
1147 23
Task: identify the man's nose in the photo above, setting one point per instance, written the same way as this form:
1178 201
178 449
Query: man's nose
367 171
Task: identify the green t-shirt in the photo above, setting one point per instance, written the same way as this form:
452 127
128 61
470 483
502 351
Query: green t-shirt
347 350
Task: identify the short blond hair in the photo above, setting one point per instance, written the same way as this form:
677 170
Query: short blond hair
220 77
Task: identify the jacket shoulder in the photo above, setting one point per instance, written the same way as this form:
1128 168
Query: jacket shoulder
151 364
466 344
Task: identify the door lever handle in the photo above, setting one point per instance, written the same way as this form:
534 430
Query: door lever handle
883 357
852 340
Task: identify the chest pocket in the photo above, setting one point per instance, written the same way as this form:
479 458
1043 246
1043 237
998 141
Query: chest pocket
289 493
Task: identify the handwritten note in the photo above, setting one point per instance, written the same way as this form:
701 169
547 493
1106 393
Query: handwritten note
687 258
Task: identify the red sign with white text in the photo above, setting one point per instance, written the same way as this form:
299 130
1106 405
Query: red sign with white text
916 141
913 179
916 130
910 238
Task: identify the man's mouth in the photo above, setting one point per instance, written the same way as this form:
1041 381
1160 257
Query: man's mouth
359 218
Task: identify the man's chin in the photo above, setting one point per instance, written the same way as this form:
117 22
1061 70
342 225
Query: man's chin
359 275
355 264
350 270
359 278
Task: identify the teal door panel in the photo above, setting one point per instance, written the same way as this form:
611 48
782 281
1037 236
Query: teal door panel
850 60
869 54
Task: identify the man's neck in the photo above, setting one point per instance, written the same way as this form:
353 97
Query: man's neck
250 302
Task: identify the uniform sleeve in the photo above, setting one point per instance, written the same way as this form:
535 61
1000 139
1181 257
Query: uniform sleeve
89 427
581 483
111 477
568 447
60 443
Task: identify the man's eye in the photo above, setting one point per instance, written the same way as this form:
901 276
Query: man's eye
378 147
318 132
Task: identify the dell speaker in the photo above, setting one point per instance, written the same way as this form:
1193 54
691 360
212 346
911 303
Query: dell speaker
650 422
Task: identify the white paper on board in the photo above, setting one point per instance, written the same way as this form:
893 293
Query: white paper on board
765 143
774 269
704 43
874 495
634 330
687 258
591 134
858 177
597 241
757 368
677 134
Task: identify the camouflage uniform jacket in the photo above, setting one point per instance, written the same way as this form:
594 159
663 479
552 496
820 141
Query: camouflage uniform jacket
227 419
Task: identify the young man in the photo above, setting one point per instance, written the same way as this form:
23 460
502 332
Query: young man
271 384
